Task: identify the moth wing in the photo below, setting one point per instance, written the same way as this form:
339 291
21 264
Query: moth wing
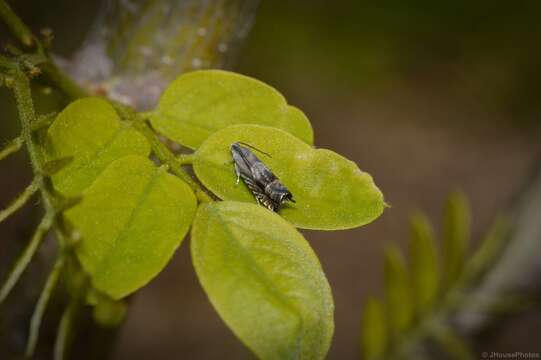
259 194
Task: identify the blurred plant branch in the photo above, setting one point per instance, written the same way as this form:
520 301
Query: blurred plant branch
419 313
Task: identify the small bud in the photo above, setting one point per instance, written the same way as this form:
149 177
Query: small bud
47 37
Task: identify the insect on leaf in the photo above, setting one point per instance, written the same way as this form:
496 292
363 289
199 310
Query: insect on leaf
330 191
131 221
264 280
201 102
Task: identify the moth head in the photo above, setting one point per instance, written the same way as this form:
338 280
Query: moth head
280 193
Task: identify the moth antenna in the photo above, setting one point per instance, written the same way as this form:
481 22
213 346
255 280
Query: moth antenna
256 149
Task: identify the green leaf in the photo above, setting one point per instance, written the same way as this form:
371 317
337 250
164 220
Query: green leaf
491 247
330 191
374 332
455 237
397 292
90 132
52 167
131 221
453 345
264 280
201 102
425 273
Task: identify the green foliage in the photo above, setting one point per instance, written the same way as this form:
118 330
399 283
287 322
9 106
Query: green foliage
264 280
425 273
402 331
131 219
374 336
89 131
331 192
120 216
398 296
201 102
456 235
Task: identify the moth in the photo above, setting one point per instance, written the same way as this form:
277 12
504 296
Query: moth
266 187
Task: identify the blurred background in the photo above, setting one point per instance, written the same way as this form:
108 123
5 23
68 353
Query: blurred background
427 97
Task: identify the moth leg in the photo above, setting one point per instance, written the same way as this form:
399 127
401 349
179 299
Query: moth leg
237 172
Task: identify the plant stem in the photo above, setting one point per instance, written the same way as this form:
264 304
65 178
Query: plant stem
61 81
167 157
12 147
15 25
26 256
64 333
41 305
25 107
19 201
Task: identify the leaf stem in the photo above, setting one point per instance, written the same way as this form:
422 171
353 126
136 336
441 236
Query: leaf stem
41 306
64 333
62 82
11 147
27 255
19 201
185 159
167 157
15 25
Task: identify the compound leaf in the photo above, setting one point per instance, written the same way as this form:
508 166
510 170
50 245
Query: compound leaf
131 220
264 280
90 133
330 191
201 102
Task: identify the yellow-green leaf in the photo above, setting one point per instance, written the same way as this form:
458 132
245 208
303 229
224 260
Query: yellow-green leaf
397 292
90 133
264 280
374 331
456 234
131 220
330 191
425 273
201 102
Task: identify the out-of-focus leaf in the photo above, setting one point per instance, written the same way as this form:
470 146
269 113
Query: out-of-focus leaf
373 332
264 280
397 292
330 191
131 220
491 246
201 102
455 237
90 132
451 343
425 274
